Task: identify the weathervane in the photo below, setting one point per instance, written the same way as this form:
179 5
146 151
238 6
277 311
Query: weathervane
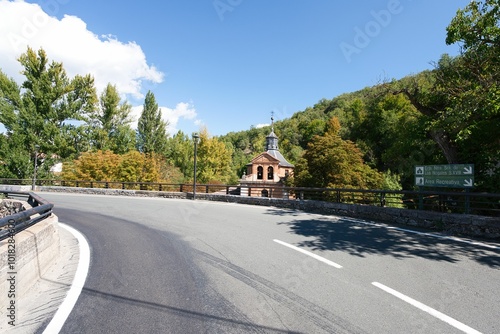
272 120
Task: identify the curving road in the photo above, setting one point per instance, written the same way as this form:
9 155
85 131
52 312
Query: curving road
179 266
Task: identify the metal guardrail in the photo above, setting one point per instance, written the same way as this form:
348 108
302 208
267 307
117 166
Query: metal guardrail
463 201
17 222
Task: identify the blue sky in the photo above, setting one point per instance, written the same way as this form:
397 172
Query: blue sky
226 64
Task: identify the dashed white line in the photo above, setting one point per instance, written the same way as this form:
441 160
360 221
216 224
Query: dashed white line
317 257
443 317
82 270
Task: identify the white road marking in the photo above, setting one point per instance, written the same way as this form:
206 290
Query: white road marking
443 317
427 234
317 257
82 270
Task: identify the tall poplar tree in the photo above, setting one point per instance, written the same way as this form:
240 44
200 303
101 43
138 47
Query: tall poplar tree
151 129
110 123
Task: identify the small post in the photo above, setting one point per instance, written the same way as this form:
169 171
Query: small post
467 201
420 199
382 200
195 140
33 186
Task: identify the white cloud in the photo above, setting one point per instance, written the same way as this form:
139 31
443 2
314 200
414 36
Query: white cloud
182 110
259 126
69 41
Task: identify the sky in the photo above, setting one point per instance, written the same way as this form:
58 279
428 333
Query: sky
228 65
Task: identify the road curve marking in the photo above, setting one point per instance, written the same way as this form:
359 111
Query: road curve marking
317 257
441 316
82 270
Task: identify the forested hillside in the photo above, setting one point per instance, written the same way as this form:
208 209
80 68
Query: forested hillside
371 138
450 114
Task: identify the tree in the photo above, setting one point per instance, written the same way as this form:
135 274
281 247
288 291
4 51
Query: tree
180 150
110 124
473 83
332 162
214 159
151 130
49 101
40 112
93 166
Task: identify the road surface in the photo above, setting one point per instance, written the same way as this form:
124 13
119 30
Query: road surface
179 266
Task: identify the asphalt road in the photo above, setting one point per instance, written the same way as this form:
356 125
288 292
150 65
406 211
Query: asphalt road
179 266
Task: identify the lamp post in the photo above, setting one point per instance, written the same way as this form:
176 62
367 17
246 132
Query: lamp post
195 140
33 186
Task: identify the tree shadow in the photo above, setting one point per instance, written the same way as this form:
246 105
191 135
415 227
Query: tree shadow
360 240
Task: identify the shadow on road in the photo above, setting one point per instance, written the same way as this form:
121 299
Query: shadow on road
332 233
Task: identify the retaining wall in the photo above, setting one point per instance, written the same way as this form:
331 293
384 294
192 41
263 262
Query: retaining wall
35 249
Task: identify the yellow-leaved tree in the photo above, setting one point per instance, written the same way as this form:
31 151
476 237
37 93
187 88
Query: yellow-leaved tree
214 160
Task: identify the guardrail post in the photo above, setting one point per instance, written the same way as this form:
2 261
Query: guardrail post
382 199
206 189
227 190
180 188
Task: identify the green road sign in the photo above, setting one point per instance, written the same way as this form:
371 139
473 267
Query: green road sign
450 176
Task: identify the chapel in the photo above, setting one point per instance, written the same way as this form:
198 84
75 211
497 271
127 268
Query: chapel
267 171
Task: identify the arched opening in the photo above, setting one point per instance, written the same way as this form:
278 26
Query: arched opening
270 173
260 173
264 193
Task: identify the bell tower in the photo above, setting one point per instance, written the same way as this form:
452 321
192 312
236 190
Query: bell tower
272 139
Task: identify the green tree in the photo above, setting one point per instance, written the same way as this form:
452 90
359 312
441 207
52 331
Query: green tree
180 151
473 83
332 162
110 124
49 101
40 113
151 130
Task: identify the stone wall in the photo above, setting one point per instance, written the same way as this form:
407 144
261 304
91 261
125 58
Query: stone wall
35 249
454 224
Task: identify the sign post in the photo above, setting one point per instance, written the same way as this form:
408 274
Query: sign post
449 176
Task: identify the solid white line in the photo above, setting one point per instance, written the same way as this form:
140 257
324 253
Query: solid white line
317 257
427 234
430 310
82 270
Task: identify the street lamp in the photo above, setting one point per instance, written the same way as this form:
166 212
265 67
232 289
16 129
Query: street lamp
196 137
36 163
